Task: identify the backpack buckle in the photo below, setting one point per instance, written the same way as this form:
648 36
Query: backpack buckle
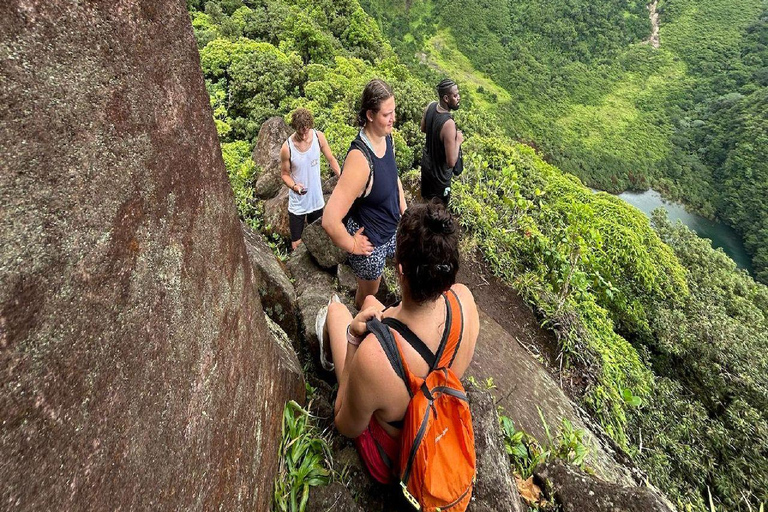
408 496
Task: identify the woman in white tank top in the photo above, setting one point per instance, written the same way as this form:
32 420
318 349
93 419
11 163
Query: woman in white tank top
300 170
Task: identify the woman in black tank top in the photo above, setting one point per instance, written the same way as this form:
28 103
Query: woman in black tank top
362 214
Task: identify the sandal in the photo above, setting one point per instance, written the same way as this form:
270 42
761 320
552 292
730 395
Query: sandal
326 361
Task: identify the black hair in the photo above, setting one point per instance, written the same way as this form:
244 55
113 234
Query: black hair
428 250
376 92
444 87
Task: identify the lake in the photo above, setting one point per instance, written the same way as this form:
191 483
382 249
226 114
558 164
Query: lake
718 233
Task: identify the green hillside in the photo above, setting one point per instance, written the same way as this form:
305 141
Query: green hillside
600 102
671 339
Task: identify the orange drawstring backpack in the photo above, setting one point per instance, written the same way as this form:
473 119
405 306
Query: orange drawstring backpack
437 452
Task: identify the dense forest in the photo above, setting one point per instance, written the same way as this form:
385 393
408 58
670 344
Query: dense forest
671 338
586 88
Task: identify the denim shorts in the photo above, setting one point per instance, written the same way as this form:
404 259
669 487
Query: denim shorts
370 268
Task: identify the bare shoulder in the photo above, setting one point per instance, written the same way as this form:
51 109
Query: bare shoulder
371 363
464 294
356 162
321 137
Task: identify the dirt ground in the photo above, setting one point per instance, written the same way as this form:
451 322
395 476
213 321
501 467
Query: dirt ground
508 309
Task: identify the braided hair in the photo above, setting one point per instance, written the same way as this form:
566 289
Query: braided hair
444 87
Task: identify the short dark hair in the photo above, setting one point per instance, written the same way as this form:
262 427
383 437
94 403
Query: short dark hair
302 118
376 92
444 87
428 250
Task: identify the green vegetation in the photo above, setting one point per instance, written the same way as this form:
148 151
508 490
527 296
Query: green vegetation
525 452
670 337
687 118
305 460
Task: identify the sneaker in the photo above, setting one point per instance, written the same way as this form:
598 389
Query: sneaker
325 350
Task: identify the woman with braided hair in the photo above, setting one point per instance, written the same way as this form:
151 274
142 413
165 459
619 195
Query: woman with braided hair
372 398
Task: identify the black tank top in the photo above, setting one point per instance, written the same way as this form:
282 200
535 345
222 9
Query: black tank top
379 211
437 175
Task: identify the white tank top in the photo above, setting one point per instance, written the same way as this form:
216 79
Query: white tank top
305 169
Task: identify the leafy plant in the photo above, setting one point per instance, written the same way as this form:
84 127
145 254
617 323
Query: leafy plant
305 460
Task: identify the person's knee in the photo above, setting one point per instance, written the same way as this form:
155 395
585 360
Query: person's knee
371 301
336 308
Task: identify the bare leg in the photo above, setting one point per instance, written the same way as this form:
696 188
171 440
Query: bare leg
364 289
295 244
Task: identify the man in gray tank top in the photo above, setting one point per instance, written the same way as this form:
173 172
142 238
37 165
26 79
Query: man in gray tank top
442 158
300 171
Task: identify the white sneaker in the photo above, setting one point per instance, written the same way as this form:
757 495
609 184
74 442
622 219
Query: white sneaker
321 337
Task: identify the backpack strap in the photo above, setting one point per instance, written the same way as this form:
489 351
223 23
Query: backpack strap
388 343
454 331
360 145
412 340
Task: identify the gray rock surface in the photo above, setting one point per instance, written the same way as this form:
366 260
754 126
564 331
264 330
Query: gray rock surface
523 387
277 294
577 491
329 184
347 280
276 214
314 287
266 154
332 498
321 247
495 487
137 369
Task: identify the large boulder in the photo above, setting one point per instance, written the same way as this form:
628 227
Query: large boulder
321 247
266 154
276 215
495 487
577 491
314 287
527 392
277 293
137 368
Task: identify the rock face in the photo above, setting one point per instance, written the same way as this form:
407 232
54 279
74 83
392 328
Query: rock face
314 287
266 154
321 247
576 491
495 488
136 366
277 293
524 386
276 214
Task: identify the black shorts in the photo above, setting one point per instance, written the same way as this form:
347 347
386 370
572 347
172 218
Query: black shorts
296 222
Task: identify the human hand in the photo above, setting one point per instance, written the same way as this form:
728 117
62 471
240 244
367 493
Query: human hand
299 188
459 137
357 327
361 245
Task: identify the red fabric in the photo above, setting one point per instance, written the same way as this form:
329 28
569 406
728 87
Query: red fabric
369 452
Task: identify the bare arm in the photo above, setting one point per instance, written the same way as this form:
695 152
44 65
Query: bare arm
285 168
355 405
356 398
403 206
328 154
423 125
452 139
350 186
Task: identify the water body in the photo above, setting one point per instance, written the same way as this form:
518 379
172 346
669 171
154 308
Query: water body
718 233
